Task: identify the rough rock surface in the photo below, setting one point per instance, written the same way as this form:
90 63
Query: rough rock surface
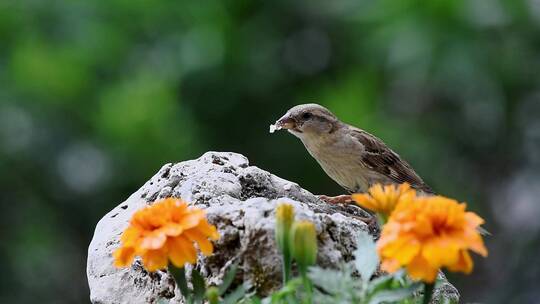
240 200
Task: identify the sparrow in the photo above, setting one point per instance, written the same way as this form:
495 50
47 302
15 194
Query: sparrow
352 157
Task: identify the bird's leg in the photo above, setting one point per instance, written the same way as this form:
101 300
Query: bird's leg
370 221
347 199
340 199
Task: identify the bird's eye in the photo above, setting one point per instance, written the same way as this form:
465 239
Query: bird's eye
306 115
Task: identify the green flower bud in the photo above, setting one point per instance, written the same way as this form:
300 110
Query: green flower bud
304 244
212 295
284 220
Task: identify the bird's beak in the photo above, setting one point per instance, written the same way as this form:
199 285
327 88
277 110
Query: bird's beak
286 122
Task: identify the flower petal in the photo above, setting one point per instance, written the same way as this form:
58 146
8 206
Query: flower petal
177 254
154 259
130 236
205 246
390 265
363 200
209 230
187 248
192 219
420 269
123 256
473 219
423 225
474 241
440 251
464 263
153 240
403 249
172 229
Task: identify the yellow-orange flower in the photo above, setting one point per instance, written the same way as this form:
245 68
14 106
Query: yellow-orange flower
383 200
428 233
166 230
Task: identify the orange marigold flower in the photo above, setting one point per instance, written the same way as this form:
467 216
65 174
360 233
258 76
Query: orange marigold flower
428 233
383 200
166 230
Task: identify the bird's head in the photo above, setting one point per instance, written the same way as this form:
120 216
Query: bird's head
308 120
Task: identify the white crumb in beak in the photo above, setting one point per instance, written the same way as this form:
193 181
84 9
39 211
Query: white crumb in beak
274 128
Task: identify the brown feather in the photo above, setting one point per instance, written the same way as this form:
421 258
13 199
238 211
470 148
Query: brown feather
381 159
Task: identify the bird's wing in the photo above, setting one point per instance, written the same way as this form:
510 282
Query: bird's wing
381 159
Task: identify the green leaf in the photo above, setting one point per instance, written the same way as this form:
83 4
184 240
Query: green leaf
236 295
332 281
267 300
163 301
366 258
380 283
179 275
444 300
289 289
252 300
199 286
394 295
336 286
388 281
228 278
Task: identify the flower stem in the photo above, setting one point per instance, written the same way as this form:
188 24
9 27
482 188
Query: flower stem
428 291
179 275
382 218
307 285
287 261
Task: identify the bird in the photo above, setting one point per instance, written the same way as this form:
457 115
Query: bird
352 157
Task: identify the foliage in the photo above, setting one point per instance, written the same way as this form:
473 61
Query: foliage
438 215
436 227
342 286
213 295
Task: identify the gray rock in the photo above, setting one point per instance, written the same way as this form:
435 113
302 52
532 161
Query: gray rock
240 200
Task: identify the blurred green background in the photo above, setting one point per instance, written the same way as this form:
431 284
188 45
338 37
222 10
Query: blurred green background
96 95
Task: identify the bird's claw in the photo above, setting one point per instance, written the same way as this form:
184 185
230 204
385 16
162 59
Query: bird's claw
340 199
371 221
